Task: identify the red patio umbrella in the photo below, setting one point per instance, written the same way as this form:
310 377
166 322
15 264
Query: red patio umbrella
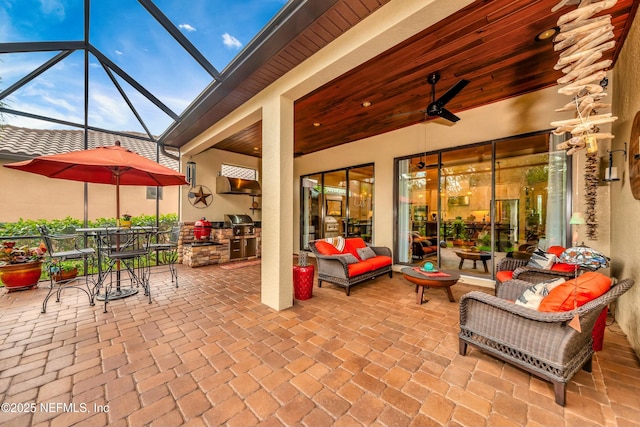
103 165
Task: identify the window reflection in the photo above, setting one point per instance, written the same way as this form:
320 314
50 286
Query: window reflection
338 203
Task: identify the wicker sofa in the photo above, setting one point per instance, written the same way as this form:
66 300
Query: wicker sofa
336 268
541 343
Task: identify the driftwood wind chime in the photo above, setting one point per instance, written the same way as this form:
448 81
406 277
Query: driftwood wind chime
582 40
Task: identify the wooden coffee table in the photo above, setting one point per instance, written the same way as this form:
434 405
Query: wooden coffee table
474 256
422 280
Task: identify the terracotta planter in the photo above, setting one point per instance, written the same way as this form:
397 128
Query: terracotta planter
20 276
65 275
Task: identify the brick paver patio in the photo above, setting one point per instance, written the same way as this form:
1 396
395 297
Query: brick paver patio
209 353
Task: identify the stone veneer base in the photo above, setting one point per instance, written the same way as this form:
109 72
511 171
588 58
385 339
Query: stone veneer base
198 256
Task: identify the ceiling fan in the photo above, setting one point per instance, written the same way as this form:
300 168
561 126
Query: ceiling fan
436 108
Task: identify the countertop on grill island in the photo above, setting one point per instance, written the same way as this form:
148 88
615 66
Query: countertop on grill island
222 224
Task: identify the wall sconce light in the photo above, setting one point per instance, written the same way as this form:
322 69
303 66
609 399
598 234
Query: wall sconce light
191 173
611 173
576 219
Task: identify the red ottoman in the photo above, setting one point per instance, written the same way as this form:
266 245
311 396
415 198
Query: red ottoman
303 282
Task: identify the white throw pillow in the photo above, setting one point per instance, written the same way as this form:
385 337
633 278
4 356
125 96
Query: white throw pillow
534 294
338 242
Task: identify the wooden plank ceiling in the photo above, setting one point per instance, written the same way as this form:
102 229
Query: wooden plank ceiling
490 43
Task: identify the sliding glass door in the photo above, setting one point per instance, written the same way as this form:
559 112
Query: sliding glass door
471 206
360 203
337 203
417 205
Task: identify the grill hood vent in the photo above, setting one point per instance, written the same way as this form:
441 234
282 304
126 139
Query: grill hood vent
226 185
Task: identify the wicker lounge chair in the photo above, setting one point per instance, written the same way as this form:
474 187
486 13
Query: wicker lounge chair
528 274
538 342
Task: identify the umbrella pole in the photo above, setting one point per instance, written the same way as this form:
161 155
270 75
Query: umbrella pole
117 173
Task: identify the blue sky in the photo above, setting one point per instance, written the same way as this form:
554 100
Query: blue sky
127 34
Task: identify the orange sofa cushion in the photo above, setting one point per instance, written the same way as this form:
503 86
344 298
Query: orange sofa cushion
590 285
351 246
326 248
369 265
378 261
503 276
359 268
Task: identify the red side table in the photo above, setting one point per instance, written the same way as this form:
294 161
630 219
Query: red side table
303 281
598 330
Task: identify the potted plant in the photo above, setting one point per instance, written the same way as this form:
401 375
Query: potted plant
64 270
20 267
458 226
125 221
461 234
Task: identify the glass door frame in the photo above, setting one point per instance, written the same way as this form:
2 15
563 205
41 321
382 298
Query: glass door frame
345 205
493 193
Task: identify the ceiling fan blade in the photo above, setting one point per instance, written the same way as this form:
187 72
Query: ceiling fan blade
408 113
448 96
446 114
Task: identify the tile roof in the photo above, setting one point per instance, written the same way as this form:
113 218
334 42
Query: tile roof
17 142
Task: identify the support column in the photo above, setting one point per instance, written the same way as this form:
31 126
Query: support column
277 203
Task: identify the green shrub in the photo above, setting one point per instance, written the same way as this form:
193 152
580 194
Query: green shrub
68 225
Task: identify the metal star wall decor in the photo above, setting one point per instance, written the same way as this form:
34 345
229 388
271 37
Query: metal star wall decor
200 196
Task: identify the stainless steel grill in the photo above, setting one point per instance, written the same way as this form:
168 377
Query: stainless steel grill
244 242
241 224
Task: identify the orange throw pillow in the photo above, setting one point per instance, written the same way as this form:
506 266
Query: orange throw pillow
351 246
563 267
326 248
556 250
589 286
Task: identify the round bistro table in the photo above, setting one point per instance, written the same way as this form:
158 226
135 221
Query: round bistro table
422 280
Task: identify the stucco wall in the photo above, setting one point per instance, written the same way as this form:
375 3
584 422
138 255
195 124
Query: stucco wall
625 210
208 164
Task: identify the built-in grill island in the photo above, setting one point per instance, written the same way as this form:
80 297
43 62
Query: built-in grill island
237 236
243 243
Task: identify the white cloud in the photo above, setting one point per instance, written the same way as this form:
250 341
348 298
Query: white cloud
109 112
42 109
186 27
57 102
14 70
53 7
231 41
118 52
